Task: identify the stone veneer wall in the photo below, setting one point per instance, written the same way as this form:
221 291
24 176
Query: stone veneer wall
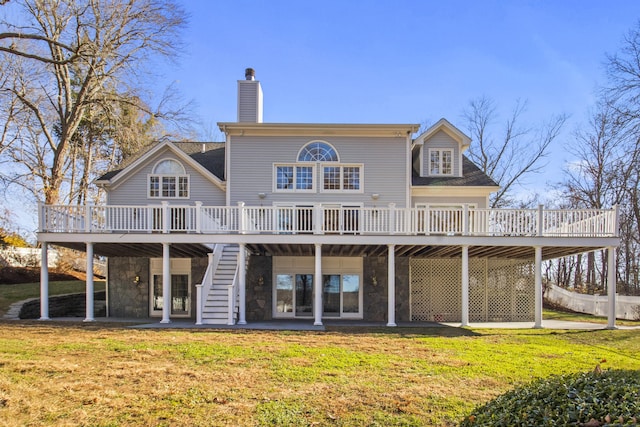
376 291
126 298
70 305
259 288
130 300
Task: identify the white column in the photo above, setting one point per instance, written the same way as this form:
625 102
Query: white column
44 283
465 285
90 290
538 287
166 284
317 285
242 285
611 288
391 299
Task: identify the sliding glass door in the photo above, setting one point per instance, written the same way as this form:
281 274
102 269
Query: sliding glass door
341 295
294 295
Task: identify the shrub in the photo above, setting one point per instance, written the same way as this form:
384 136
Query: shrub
591 399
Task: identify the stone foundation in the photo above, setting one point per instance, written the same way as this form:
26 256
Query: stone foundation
71 305
130 299
376 285
259 288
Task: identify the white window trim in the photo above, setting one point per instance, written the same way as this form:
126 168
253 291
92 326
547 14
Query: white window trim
312 165
341 166
440 150
161 176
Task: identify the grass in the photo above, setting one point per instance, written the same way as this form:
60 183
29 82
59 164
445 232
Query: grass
107 375
14 293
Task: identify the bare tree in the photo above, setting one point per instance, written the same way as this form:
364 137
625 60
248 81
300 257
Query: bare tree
622 96
512 153
69 59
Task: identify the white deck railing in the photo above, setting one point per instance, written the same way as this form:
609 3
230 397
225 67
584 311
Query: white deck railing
241 219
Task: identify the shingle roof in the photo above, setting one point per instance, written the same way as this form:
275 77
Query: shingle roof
472 176
212 158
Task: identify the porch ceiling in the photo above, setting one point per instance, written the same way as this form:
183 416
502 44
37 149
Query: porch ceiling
150 250
415 251
187 250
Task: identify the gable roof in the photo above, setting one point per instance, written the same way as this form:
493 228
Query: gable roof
472 176
444 125
208 158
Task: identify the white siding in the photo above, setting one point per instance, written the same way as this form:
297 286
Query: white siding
133 191
249 101
384 171
441 140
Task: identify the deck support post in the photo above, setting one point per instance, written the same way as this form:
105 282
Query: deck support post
465 285
317 285
611 287
391 308
44 282
538 287
242 285
89 283
166 284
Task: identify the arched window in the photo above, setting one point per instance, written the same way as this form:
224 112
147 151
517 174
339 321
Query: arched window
318 151
169 180
168 167
325 169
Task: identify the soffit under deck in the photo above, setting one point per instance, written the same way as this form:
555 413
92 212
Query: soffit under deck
415 251
188 250
146 250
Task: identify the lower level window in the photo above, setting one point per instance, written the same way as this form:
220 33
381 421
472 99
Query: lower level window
340 295
180 290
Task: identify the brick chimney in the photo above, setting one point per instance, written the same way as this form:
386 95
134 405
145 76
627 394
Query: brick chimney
249 98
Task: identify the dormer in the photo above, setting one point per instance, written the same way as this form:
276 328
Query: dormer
440 150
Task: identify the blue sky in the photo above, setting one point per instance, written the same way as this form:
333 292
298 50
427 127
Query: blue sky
399 61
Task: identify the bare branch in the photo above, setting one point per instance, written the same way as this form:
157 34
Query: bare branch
518 153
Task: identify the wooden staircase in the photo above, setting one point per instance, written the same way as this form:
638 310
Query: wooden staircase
216 305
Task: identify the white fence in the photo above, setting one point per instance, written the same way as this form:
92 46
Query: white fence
627 307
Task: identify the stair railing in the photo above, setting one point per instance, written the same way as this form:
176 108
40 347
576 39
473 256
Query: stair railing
233 298
203 289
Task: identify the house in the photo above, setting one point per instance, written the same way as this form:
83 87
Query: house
315 221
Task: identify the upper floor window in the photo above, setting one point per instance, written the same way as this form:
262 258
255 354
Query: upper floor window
318 151
294 177
169 180
341 177
440 162
317 157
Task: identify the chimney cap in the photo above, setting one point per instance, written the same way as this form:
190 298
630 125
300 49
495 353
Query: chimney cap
249 74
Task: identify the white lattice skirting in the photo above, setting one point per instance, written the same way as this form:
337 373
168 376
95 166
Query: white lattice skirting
499 290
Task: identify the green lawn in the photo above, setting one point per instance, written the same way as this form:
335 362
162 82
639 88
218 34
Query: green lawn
14 293
58 373
107 375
